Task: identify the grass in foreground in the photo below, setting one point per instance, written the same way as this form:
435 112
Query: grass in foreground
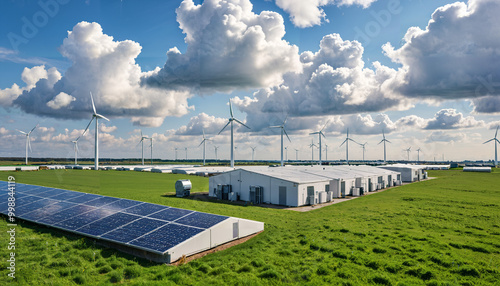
439 232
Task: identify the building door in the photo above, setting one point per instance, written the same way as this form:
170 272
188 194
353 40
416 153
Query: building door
310 195
282 199
342 189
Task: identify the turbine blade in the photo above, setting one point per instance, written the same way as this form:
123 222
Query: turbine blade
287 135
388 141
241 123
284 121
86 129
343 143
313 133
201 142
275 126
141 134
489 140
93 105
37 126
380 142
100 116
496 133
324 126
224 127
22 132
322 134
230 108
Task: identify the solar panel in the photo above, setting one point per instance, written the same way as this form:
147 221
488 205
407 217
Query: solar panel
145 209
166 237
202 220
151 227
134 230
107 224
170 214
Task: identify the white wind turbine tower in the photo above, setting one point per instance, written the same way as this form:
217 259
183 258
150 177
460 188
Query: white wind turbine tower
176 153
346 141
408 152
363 146
326 152
418 154
28 143
296 154
230 121
95 116
494 139
320 133
286 154
384 140
253 151
142 142
186 149
282 127
75 143
215 148
312 145
204 141
151 138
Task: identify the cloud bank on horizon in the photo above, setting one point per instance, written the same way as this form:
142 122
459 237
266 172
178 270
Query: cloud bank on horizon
230 48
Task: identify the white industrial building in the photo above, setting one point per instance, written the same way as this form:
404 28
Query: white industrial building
299 185
409 173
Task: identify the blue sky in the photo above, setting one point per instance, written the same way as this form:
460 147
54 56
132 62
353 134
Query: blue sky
436 90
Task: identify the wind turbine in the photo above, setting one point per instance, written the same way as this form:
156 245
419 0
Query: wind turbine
215 148
296 154
204 141
282 127
186 149
286 154
95 116
320 133
346 141
326 152
363 146
494 139
151 138
384 140
75 143
28 143
230 121
408 151
253 151
176 153
142 142
312 145
418 154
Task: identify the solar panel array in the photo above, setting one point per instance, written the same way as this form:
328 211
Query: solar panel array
152 227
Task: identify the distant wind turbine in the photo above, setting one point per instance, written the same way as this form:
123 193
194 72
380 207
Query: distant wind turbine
215 148
320 133
142 142
282 127
494 139
253 151
326 152
418 154
230 121
384 140
176 153
28 143
346 141
186 149
363 146
151 138
286 154
408 151
75 143
296 154
312 145
95 116
204 141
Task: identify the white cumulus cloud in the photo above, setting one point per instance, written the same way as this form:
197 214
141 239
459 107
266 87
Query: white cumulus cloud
61 100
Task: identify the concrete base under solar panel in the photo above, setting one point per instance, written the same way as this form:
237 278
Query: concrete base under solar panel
213 237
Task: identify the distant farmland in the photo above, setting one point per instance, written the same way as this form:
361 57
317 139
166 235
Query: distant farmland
438 232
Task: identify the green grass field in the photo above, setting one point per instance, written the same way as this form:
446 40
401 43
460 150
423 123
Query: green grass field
444 231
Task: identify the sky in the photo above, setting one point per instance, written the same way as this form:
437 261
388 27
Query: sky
425 73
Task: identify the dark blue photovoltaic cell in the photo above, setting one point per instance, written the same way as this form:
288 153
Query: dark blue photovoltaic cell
170 214
83 199
33 191
66 214
134 230
38 214
122 204
84 219
166 237
67 196
101 201
51 193
107 224
23 209
26 199
145 209
202 220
